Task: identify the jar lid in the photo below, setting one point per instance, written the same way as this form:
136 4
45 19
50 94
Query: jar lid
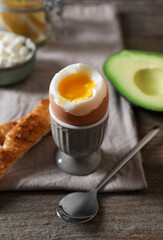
28 6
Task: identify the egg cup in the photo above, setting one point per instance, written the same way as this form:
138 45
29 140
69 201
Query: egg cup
78 150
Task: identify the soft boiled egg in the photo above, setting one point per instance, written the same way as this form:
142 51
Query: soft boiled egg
79 95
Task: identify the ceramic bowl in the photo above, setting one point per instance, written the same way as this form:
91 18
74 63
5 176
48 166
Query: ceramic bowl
18 72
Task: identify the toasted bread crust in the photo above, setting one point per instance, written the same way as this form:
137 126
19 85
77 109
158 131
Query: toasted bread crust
4 130
26 133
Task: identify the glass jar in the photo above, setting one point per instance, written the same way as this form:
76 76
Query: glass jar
30 18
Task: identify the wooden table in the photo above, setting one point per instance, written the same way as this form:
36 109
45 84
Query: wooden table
130 215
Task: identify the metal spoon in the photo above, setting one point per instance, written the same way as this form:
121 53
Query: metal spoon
80 207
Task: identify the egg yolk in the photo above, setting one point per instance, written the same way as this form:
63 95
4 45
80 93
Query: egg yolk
76 87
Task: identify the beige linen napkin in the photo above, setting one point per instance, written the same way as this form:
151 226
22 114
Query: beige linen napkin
93 35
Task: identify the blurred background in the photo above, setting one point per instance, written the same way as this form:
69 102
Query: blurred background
141 20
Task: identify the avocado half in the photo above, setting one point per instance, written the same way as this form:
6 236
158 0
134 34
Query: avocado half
138 76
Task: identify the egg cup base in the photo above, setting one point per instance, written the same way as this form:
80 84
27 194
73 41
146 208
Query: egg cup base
78 165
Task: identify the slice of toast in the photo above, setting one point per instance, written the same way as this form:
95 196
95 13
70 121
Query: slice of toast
24 134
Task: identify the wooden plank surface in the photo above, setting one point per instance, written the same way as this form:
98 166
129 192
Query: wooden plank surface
134 215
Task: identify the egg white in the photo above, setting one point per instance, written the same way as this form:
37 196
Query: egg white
85 106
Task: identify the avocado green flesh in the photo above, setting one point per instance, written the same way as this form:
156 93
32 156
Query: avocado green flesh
138 76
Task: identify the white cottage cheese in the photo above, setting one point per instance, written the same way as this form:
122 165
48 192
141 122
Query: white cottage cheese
14 49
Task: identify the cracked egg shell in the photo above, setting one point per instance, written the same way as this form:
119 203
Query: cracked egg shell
79 95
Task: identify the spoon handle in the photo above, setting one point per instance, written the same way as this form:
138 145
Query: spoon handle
127 157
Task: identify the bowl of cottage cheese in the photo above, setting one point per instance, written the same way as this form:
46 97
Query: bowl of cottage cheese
17 58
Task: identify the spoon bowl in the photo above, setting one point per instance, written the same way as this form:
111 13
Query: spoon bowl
78 206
